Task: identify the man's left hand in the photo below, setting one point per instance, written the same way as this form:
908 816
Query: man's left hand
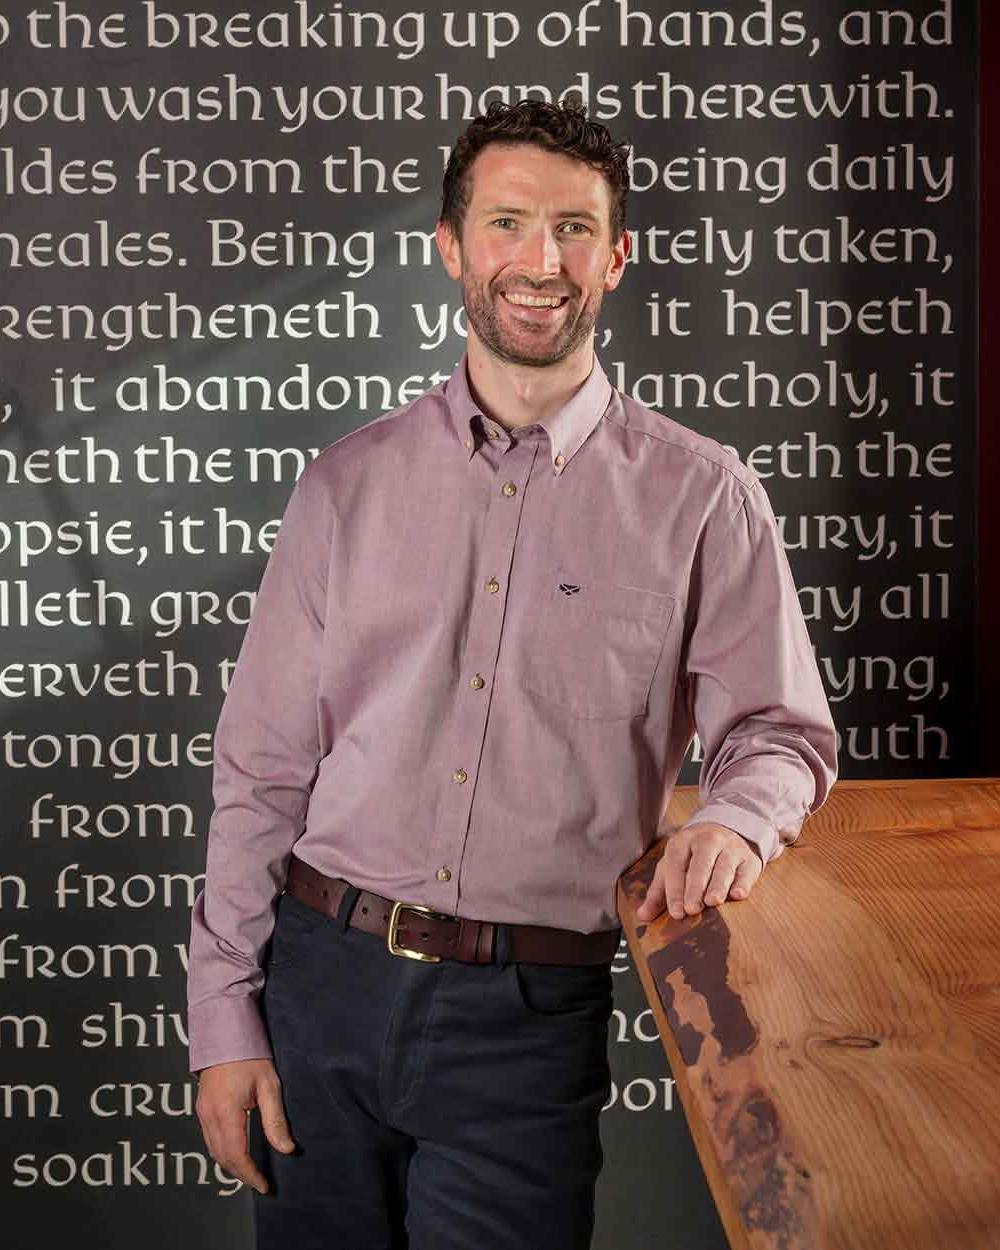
706 863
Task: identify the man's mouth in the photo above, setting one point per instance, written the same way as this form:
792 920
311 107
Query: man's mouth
534 305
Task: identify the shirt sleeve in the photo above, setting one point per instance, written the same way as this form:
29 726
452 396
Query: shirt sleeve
266 752
754 689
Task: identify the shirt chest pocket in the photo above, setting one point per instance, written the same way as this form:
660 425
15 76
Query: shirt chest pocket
593 644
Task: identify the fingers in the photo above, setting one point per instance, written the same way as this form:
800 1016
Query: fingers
721 880
667 879
226 1091
272 1116
683 862
701 865
226 1136
747 873
655 899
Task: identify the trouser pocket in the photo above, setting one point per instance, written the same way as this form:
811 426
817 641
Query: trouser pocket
564 989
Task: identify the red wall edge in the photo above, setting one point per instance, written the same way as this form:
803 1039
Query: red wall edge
988 654
988 563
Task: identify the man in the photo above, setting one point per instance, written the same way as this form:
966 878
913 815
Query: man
490 623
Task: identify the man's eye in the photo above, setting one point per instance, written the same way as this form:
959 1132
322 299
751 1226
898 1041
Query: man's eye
497 220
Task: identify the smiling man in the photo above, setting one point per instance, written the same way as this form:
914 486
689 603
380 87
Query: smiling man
535 259
489 627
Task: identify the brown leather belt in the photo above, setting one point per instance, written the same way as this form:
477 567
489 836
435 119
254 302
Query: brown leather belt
418 932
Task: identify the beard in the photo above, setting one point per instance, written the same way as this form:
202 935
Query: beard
520 341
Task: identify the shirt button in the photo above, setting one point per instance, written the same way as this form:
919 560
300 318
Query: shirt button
477 682
468 442
493 433
460 775
509 488
493 585
444 874
560 460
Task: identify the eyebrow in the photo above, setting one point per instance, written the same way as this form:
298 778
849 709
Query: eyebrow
564 212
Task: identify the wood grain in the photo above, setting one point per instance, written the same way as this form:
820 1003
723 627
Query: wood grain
835 1037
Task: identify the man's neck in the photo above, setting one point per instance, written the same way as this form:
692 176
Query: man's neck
518 395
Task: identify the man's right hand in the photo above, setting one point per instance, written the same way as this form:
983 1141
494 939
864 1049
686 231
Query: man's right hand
226 1092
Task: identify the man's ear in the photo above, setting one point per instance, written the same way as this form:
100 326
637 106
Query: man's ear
449 248
616 265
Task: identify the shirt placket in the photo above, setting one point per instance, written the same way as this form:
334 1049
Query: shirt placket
512 472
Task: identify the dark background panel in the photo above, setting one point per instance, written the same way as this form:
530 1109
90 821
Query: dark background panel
54 1163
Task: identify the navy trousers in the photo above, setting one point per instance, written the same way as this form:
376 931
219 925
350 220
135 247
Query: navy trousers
435 1106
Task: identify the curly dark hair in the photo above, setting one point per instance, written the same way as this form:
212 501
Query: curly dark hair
560 128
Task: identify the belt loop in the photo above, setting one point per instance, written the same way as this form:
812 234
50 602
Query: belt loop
501 945
347 906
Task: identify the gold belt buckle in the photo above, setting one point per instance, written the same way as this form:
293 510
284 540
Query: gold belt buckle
395 948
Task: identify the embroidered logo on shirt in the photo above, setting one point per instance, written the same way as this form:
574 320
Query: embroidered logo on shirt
568 588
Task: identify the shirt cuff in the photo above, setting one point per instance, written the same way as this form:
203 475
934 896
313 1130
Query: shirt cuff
761 834
224 1029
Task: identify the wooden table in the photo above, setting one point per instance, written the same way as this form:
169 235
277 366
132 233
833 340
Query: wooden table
835 1037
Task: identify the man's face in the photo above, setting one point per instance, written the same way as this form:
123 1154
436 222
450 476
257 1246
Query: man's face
537 223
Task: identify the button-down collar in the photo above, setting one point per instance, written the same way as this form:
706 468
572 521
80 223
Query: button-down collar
567 429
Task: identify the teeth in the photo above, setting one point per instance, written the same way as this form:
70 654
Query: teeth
533 301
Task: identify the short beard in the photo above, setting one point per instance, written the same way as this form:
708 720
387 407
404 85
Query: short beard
484 319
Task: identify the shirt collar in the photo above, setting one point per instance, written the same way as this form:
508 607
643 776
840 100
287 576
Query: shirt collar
567 429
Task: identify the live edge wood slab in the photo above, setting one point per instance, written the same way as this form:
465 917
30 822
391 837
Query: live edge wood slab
835 1036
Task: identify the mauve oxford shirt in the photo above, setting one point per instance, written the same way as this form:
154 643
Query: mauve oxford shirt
474 667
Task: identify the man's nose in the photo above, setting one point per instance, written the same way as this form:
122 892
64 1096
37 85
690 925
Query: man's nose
540 252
